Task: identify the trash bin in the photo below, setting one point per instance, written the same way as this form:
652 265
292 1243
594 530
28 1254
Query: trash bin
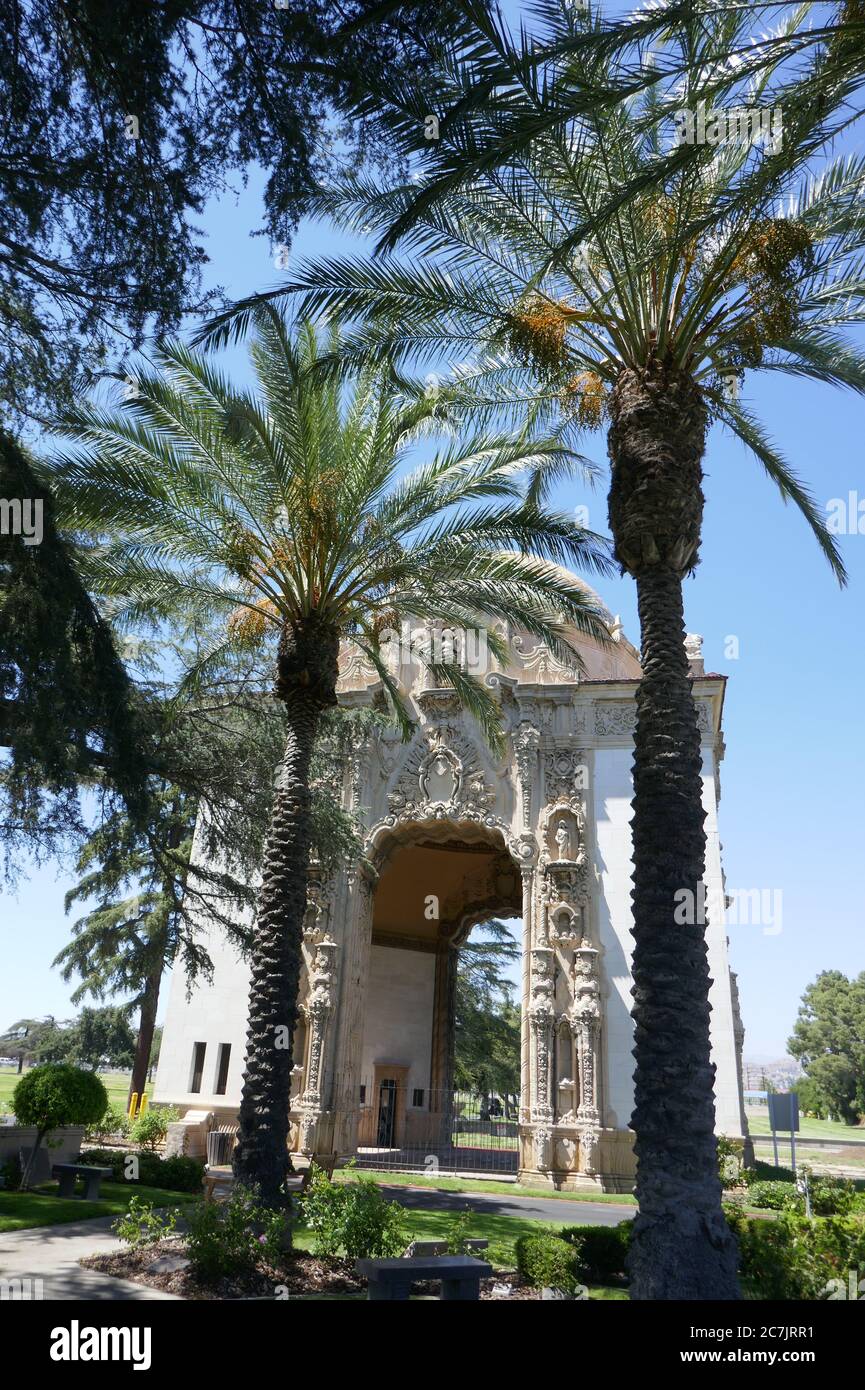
219 1146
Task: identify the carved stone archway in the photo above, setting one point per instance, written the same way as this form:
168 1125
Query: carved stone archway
524 819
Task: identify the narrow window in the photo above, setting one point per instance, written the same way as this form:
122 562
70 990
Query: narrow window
417 1099
223 1059
198 1051
363 1095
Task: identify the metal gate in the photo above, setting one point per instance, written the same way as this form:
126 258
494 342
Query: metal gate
408 1128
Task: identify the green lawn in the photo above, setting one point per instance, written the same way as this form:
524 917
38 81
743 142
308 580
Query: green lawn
20 1210
758 1123
116 1084
829 1159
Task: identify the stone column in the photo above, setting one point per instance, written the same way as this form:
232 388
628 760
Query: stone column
351 1009
320 1002
586 1025
525 1037
542 1015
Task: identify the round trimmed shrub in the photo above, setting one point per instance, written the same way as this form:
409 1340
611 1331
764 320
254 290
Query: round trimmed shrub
56 1094
546 1261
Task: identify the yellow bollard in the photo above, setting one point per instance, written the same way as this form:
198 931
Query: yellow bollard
143 1104
133 1101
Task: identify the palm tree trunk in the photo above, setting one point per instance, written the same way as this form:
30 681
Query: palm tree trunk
144 1041
306 683
681 1246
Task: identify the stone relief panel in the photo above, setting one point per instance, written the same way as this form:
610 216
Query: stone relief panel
618 718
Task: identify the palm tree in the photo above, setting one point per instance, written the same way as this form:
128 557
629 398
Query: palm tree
609 277
284 514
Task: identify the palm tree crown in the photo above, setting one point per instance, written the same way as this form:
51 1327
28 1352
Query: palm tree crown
573 244
259 511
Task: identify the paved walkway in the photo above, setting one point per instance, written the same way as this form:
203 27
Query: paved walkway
51 1253
532 1208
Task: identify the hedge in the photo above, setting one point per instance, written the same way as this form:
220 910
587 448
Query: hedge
178 1174
602 1250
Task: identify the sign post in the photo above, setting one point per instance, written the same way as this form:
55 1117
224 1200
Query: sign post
784 1115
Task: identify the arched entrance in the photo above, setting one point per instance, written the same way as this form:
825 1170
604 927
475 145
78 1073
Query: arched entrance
435 884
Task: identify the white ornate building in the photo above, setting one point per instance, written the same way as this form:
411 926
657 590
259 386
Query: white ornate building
455 836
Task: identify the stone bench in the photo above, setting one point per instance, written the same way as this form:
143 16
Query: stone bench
69 1172
460 1276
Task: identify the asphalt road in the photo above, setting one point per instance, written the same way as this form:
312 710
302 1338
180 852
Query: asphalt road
532 1208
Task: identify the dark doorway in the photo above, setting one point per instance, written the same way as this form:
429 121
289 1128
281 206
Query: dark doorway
386 1113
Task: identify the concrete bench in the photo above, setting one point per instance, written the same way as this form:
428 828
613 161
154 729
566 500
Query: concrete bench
69 1172
460 1276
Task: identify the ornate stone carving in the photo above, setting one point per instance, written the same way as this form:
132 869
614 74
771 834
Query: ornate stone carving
585 1016
619 718
565 774
615 718
356 672
694 653
543 1145
564 840
442 779
526 741
704 716
320 1001
539 664
439 704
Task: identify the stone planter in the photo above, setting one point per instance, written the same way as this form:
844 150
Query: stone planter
14 1137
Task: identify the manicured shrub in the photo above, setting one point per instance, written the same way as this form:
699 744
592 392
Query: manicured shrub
603 1250
546 1261
178 1174
829 1196
232 1237
352 1218
104 1158
57 1094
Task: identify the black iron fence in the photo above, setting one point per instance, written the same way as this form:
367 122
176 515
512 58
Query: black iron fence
412 1128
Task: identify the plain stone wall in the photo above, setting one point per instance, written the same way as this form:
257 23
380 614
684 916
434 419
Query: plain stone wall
214 1014
399 1012
67 1141
611 794
612 809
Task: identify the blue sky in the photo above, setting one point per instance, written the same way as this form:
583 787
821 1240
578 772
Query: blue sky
792 781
